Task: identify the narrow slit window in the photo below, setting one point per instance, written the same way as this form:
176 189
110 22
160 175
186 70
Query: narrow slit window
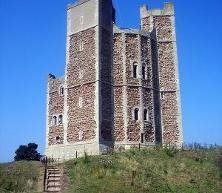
135 66
144 72
60 119
145 115
61 91
136 114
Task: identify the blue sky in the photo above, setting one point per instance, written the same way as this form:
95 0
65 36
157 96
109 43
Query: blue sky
32 44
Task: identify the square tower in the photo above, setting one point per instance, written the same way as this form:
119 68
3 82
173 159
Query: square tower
88 106
161 23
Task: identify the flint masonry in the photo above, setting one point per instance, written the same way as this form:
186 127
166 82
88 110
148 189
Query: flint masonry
121 86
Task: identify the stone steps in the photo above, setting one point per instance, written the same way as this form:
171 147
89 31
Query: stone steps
53 179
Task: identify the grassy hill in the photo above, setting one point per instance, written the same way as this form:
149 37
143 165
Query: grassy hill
134 171
22 176
148 170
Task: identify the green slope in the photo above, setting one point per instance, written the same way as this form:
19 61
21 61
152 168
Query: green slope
134 171
140 171
19 176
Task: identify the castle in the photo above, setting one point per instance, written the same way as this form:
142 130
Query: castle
121 86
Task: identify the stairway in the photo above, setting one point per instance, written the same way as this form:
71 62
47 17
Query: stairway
53 179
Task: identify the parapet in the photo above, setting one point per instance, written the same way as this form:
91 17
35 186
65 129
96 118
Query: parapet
168 9
78 2
117 29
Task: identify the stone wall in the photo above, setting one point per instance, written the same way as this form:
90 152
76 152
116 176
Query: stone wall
132 55
81 77
81 68
163 25
134 127
55 108
81 114
118 53
147 90
118 70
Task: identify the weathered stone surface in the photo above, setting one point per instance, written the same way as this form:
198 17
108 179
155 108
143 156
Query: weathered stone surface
56 107
81 76
118 53
118 73
145 24
119 133
101 91
81 119
168 80
82 61
167 68
163 25
132 56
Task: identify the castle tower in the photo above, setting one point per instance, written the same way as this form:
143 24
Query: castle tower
162 24
121 86
134 121
88 102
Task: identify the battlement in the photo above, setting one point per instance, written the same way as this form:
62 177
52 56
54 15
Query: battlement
168 9
117 29
79 2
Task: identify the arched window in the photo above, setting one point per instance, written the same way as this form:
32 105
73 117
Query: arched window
54 120
136 114
145 115
144 72
60 119
61 91
135 68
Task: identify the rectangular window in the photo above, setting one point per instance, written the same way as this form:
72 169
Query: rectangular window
134 71
144 72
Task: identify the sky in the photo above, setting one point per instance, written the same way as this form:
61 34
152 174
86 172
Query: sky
32 44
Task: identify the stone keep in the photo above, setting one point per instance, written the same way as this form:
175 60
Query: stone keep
121 86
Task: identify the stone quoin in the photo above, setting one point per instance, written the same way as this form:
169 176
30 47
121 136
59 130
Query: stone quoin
121 86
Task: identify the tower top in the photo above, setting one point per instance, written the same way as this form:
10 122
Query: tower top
168 9
78 2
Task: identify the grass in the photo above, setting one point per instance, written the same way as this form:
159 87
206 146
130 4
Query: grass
135 171
147 170
19 176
